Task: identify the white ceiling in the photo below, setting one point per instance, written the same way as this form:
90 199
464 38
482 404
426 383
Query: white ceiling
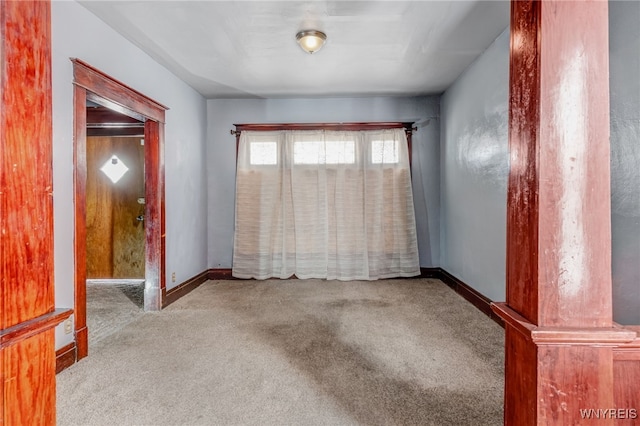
233 49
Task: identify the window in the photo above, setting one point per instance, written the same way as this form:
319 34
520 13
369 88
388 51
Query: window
384 152
263 153
324 204
324 152
114 168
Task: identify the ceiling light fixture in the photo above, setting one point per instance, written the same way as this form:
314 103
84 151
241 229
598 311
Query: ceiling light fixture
311 40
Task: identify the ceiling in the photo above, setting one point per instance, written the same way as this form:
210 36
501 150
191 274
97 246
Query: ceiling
239 49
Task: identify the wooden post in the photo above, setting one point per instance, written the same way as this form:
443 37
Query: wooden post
27 314
558 314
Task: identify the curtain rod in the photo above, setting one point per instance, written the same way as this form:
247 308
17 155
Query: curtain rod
409 127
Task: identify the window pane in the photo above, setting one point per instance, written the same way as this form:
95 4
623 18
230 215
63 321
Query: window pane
307 152
114 168
341 152
263 153
384 152
329 152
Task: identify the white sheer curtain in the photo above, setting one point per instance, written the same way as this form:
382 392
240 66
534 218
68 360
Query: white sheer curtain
324 204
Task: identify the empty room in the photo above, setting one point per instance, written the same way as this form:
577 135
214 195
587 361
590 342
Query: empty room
320 212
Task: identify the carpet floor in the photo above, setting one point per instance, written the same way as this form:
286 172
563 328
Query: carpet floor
295 352
110 307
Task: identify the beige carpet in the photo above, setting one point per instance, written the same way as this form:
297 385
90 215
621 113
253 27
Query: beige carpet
111 306
297 352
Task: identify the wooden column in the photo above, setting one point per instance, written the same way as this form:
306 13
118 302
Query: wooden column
27 314
558 315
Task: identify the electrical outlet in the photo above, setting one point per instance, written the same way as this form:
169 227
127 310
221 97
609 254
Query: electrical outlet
173 277
68 326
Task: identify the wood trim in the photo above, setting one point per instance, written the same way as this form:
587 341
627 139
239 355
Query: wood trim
100 115
629 351
92 84
324 126
82 342
65 357
623 353
154 217
194 282
184 288
116 132
19 332
431 273
220 274
112 90
581 336
522 195
80 215
474 297
512 318
612 336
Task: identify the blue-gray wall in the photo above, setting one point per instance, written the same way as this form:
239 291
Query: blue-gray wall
624 42
474 156
474 152
221 156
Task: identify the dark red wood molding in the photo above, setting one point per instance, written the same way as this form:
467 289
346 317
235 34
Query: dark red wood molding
102 121
477 299
154 216
431 272
220 274
612 336
65 357
630 351
116 93
522 197
105 116
192 283
92 84
184 288
80 217
116 131
324 126
24 330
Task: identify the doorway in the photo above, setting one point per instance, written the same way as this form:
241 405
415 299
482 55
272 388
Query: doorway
114 221
94 87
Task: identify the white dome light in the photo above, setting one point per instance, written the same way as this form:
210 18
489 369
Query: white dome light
311 40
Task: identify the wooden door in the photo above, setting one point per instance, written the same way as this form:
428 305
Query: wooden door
115 210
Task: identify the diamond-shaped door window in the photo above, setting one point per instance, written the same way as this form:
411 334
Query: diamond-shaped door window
114 168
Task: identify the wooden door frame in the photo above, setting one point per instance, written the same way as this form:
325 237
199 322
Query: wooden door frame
94 85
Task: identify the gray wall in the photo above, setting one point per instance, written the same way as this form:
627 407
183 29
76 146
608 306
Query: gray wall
223 113
475 167
78 33
624 42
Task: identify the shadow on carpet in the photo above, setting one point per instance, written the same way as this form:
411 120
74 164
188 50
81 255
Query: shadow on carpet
298 352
